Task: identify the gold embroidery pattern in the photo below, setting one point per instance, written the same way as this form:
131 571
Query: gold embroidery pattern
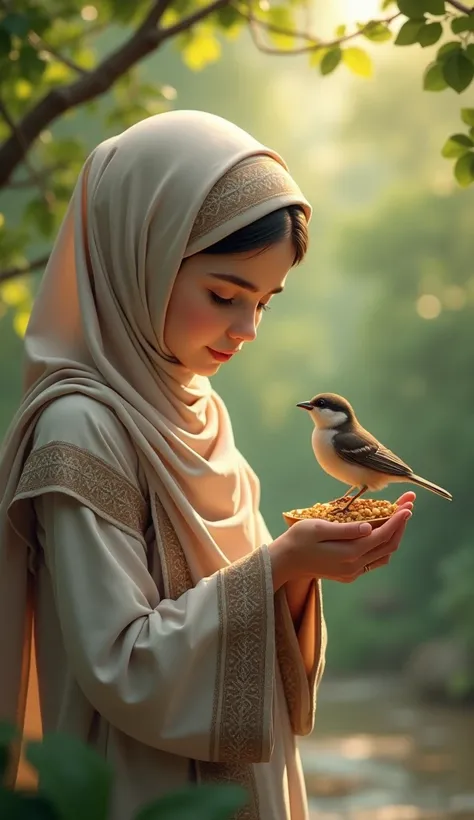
177 579
287 665
176 574
72 469
243 615
244 186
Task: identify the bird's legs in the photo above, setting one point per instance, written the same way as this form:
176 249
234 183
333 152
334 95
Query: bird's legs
343 497
353 498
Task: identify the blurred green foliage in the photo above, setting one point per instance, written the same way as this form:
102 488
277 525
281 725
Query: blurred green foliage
75 783
57 57
381 311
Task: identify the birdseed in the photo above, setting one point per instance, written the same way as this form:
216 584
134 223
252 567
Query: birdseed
362 509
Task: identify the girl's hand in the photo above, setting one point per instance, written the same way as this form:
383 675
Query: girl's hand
337 552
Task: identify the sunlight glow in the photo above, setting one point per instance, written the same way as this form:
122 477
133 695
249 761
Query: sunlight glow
454 297
359 11
428 306
89 13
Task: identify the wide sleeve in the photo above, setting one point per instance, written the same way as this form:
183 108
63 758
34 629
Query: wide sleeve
301 650
158 669
193 676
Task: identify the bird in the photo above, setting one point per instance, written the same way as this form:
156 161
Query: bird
349 453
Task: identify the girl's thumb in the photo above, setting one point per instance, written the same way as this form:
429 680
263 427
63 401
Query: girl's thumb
334 531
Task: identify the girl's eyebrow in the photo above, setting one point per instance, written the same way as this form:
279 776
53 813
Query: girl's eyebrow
241 283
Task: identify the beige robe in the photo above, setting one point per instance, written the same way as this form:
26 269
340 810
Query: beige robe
170 683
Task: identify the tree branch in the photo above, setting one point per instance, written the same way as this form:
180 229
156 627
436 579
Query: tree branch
315 44
40 44
147 38
20 270
461 7
18 136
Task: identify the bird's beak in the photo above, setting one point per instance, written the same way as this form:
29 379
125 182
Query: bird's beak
306 404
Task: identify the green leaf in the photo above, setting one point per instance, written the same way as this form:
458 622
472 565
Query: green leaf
316 55
341 30
207 802
8 734
436 7
41 215
283 17
227 17
456 146
31 65
464 169
433 78
416 9
387 3
411 8
16 24
430 34
65 151
377 32
471 133
331 60
458 71
73 776
467 116
39 20
200 49
17 805
408 34
447 48
469 52
5 43
461 24
123 11
358 61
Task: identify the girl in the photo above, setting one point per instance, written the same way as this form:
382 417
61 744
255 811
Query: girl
170 632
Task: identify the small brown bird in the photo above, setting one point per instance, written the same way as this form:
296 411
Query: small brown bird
351 454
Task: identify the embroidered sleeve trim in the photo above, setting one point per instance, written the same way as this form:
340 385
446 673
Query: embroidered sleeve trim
176 574
243 701
177 580
289 662
300 690
64 467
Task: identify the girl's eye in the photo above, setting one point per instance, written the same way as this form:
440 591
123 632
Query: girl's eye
219 300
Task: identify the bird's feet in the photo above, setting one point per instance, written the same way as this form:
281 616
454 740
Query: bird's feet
349 499
343 498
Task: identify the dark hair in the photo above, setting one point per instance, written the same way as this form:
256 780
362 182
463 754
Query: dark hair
267 231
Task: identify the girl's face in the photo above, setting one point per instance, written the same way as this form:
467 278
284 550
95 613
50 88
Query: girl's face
217 303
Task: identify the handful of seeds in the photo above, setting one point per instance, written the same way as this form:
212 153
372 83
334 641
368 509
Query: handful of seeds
362 509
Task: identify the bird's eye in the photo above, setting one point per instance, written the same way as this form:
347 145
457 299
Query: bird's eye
320 403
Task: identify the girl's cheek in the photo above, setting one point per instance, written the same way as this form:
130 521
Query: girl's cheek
200 318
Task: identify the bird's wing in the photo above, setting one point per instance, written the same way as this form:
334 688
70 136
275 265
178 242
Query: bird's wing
366 451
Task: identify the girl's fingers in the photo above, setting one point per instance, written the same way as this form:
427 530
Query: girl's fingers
381 562
334 531
383 534
409 496
385 549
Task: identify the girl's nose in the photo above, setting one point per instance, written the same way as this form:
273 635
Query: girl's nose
244 329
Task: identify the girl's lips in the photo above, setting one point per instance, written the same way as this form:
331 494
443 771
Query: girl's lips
220 357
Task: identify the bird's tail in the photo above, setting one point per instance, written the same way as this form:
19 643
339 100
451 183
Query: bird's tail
422 482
